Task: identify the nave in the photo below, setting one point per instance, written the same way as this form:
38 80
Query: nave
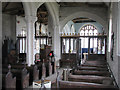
92 74
59 45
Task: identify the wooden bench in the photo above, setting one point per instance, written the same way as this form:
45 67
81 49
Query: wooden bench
92 68
43 70
83 85
8 81
92 65
50 69
96 62
33 71
91 79
22 77
40 69
91 72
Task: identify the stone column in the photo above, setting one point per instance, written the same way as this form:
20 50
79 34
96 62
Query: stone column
30 39
56 42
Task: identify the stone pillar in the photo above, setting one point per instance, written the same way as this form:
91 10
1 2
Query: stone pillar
56 42
30 39
43 70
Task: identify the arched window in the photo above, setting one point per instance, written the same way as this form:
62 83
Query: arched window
88 30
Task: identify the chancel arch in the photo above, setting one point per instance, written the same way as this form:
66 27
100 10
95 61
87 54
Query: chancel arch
84 14
68 37
84 36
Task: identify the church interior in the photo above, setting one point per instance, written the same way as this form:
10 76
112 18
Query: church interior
60 45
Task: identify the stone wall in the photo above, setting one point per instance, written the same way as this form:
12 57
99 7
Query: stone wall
98 14
20 24
9 26
114 64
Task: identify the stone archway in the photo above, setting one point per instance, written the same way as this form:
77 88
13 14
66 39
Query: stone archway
84 14
30 16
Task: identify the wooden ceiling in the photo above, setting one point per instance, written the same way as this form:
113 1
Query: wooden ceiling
13 8
82 4
82 20
16 8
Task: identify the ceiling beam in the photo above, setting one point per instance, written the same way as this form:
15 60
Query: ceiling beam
81 4
5 6
86 21
14 9
81 19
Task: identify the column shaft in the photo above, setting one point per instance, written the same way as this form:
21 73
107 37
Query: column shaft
30 39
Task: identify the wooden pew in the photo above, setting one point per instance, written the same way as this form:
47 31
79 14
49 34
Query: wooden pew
96 62
91 79
33 71
92 65
14 66
22 77
50 68
54 67
90 72
8 81
40 69
83 85
43 69
92 68
46 68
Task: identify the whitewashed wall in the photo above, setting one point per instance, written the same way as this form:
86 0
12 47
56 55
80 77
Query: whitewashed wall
20 24
8 26
115 63
98 14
